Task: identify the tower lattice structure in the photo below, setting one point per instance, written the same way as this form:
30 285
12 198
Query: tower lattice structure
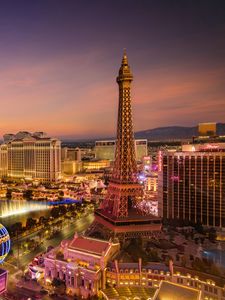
124 191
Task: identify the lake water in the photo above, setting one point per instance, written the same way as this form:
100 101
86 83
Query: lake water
12 211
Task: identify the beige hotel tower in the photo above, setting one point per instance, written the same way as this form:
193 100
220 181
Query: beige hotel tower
30 156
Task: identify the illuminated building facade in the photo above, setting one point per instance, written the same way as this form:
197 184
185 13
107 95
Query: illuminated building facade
135 274
141 149
106 149
207 129
152 183
71 167
147 163
192 184
156 275
71 161
94 165
3 160
31 156
81 264
71 154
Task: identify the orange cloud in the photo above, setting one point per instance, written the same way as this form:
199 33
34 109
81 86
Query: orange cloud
82 100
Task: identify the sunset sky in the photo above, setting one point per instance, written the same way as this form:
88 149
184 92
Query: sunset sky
59 61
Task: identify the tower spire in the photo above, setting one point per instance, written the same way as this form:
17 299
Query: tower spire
121 213
124 71
124 188
125 168
124 59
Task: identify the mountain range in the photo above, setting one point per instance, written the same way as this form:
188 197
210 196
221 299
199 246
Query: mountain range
155 134
174 132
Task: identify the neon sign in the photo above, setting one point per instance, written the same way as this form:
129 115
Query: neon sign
160 161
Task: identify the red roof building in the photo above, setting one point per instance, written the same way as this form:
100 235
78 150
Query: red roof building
81 264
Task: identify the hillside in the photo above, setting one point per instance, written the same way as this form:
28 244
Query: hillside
174 132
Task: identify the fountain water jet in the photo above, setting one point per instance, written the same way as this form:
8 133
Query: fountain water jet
17 207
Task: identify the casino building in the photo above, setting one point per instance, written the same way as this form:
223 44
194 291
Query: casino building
192 184
31 156
158 281
81 264
106 149
90 267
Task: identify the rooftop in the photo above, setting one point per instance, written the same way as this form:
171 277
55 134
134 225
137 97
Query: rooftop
90 245
168 290
148 266
133 215
25 136
120 293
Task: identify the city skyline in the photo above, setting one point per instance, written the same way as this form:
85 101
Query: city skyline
131 203
59 61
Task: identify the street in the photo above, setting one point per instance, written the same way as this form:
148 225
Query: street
67 232
25 258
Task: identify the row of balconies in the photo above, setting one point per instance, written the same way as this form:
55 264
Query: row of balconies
208 288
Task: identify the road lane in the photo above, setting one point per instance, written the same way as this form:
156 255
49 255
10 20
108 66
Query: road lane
67 232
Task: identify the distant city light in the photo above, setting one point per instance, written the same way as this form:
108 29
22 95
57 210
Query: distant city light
64 201
141 177
154 167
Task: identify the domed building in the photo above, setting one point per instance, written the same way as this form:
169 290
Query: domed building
4 250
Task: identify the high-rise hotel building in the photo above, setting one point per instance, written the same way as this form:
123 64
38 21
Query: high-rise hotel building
106 149
30 156
3 160
192 184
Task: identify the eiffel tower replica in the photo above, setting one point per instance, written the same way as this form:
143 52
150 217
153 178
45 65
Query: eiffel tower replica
120 213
